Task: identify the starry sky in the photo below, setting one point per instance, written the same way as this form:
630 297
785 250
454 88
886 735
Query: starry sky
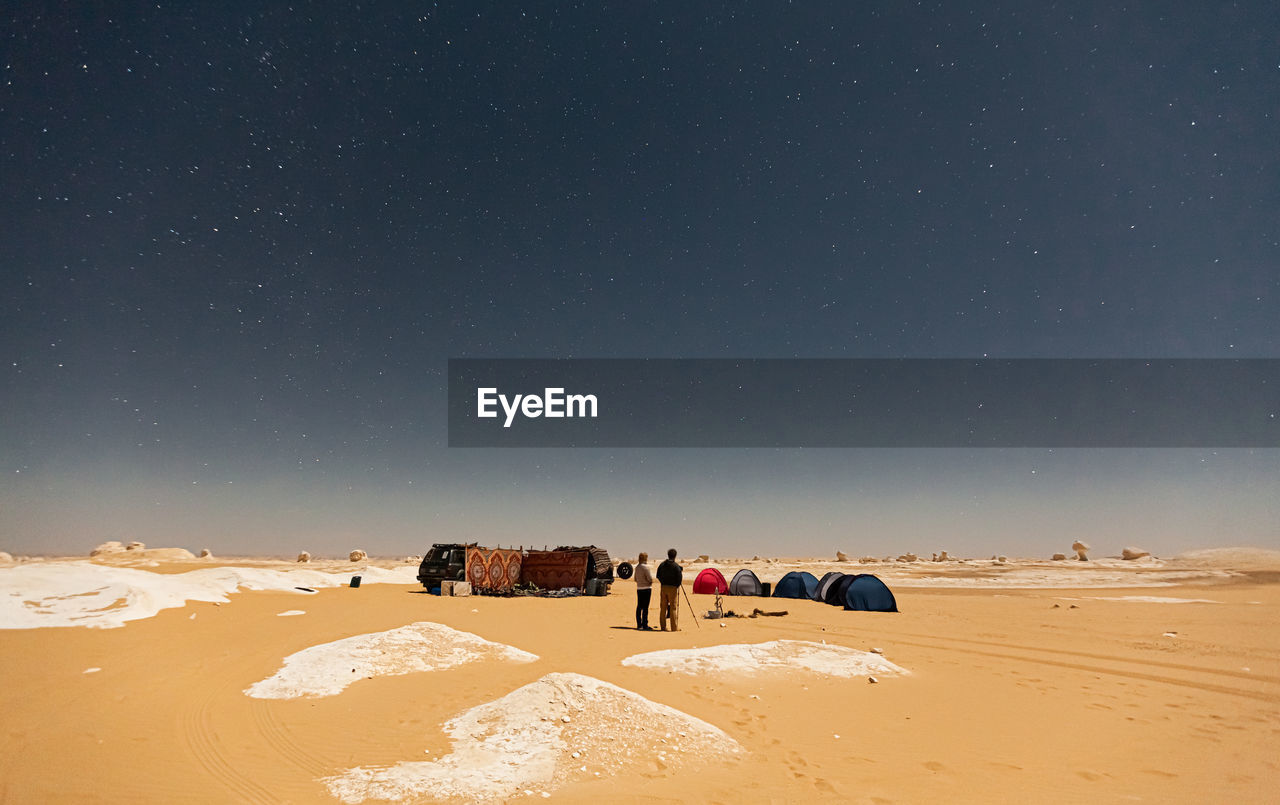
242 240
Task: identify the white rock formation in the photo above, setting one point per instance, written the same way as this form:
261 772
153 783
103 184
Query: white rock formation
327 669
304 557
1080 548
505 750
358 555
111 546
1134 553
136 546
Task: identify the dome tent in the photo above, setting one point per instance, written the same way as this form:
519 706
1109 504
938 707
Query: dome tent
825 585
867 593
709 582
796 584
836 592
745 583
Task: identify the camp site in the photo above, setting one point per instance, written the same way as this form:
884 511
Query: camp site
462 569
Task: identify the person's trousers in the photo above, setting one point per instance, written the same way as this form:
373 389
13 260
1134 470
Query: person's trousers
669 606
642 607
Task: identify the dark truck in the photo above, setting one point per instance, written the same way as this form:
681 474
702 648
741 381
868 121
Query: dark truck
444 562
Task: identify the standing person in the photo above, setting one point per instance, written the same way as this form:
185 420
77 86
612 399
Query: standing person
644 592
670 575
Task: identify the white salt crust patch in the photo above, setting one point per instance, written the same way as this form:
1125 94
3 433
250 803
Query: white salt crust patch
561 728
327 669
104 597
289 613
790 655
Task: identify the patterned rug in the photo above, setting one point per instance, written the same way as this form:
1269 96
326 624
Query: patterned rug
555 570
495 569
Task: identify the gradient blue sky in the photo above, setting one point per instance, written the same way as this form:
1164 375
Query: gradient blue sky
241 243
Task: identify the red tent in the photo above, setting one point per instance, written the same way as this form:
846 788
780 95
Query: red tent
709 582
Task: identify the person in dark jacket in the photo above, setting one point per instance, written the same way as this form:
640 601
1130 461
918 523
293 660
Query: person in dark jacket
670 576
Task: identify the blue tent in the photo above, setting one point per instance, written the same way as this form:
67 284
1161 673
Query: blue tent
796 585
825 583
867 593
745 583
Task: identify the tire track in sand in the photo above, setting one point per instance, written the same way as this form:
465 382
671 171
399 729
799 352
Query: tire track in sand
1199 678
204 744
279 738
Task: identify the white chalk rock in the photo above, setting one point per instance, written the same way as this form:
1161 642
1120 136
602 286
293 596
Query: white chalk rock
5 557
111 546
943 556
1134 553
704 558
358 555
135 546
868 560
841 556
304 557
908 557
205 553
1058 557
1080 548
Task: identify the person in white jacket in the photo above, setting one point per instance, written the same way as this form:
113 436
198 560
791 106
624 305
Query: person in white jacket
644 592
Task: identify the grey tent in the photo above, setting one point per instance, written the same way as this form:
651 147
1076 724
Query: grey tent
835 593
745 583
826 583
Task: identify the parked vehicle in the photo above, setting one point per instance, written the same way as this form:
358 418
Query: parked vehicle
444 562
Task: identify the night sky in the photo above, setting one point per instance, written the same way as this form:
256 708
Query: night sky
241 240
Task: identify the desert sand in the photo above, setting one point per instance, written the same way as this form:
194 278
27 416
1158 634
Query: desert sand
215 680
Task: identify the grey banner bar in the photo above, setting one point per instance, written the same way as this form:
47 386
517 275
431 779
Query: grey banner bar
864 403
